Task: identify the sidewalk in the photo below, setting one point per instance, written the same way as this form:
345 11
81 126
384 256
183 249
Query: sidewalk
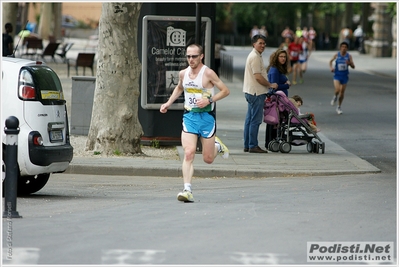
335 160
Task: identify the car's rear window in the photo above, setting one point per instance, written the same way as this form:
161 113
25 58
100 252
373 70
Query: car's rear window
46 83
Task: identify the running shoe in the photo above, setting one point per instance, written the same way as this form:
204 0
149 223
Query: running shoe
339 110
334 100
293 82
301 81
223 150
185 196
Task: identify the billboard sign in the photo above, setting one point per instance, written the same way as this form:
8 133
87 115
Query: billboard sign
164 43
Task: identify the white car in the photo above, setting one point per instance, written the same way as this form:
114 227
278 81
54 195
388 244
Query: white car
32 92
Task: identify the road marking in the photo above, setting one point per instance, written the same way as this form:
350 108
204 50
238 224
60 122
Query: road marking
136 256
29 256
249 258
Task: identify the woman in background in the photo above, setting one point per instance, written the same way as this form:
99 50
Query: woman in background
277 72
278 69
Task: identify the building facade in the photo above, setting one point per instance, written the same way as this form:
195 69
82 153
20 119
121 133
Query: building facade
87 12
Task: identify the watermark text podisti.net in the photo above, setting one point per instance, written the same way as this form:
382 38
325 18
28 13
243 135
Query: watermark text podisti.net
350 252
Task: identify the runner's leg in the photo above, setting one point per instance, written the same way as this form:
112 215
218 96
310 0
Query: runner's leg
209 151
294 72
189 143
337 87
341 94
304 66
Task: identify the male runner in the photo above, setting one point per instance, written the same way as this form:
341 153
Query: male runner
198 83
341 74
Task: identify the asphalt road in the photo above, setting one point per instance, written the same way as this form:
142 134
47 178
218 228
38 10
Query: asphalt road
367 128
86 219
91 219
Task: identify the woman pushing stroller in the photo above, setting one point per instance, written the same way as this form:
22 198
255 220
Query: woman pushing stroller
277 72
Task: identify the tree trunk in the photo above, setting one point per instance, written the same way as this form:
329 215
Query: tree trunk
394 36
115 126
57 20
23 18
9 14
347 20
45 20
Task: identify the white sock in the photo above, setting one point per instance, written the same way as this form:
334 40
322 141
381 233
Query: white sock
218 147
187 186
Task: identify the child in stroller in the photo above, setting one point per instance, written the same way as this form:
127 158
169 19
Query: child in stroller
293 129
297 101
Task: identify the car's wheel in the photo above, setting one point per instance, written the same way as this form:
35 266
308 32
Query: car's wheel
31 184
3 164
3 168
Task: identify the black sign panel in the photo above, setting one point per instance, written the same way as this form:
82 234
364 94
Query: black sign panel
164 43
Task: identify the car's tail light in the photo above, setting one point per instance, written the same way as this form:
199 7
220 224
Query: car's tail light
37 139
27 92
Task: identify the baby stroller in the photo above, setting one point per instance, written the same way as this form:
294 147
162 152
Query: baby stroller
292 128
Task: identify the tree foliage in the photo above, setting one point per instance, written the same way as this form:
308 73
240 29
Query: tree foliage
275 16
391 10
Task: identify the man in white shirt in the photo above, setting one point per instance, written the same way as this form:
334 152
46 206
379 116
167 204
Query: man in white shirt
255 88
358 33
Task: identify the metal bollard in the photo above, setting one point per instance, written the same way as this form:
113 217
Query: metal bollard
11 161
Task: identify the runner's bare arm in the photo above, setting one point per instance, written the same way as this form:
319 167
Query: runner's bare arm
214 80
350 63
331 61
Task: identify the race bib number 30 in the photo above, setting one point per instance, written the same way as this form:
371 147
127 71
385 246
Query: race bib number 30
191 96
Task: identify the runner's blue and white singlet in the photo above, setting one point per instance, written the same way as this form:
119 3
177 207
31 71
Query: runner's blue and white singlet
341 67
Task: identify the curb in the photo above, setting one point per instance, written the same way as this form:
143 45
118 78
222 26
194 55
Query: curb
158 171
